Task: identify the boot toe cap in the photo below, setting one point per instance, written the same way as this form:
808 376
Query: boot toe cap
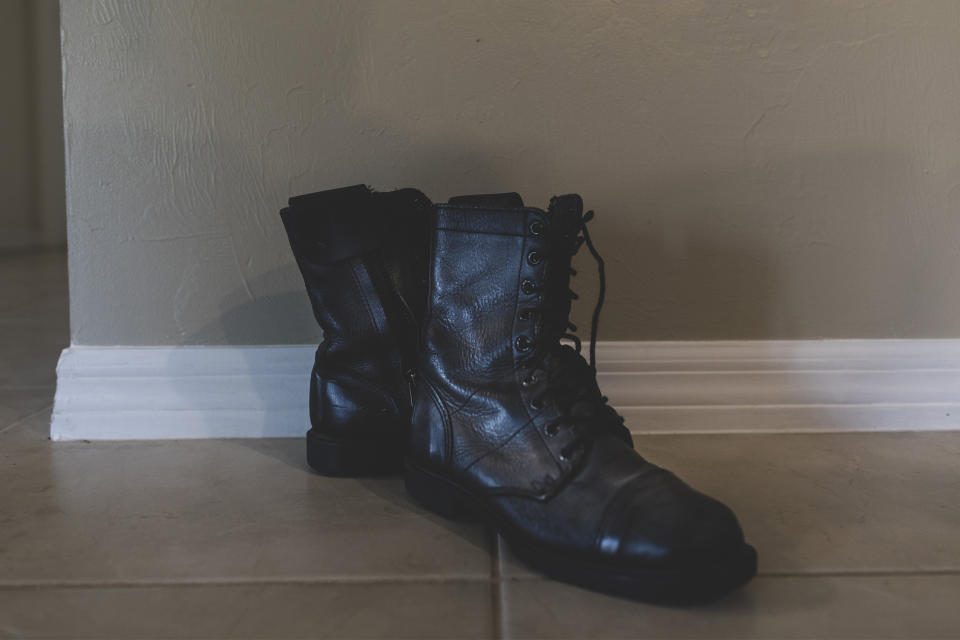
662 521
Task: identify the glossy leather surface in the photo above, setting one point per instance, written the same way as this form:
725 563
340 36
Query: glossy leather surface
505 432
362 256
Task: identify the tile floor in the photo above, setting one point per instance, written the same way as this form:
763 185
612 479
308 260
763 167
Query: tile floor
858 534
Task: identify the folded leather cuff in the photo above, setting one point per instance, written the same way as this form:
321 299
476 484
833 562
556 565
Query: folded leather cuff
331 226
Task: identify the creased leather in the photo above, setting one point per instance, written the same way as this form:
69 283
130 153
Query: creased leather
468 357
362 256
475 423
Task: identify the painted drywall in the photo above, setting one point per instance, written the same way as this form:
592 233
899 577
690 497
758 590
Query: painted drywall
49 196
760 169
32 213
16 153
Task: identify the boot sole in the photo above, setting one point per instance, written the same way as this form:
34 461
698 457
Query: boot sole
342 457
687 585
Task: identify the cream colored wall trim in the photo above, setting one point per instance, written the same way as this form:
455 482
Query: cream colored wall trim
661 387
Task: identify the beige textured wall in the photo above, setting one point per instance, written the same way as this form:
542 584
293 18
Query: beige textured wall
32 209
17 226
760 169
49 196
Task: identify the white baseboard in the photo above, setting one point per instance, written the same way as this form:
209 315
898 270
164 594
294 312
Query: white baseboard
661 387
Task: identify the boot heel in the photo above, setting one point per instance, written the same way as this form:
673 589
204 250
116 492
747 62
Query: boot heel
333 456
434 494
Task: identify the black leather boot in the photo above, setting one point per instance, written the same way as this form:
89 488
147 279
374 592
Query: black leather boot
508 424
363 257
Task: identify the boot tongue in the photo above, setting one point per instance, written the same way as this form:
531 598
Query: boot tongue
565 211
564 215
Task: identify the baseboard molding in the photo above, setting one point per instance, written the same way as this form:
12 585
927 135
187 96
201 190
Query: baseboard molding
661 387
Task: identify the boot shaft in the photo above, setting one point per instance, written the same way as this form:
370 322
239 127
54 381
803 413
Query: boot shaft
493 298
362 256
509 425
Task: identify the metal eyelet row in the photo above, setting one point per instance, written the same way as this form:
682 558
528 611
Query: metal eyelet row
528 286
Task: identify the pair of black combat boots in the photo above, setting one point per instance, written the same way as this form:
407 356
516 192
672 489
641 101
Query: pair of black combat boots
446 358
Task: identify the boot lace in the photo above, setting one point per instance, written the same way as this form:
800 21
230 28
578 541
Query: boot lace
570 380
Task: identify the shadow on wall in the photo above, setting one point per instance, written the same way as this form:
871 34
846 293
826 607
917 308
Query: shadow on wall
684 256
679 263
268 319
277 317
688 270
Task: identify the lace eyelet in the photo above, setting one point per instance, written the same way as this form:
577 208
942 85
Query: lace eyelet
528 382
523 343
536 404
536 228
534 258
525 314
551 431
528 286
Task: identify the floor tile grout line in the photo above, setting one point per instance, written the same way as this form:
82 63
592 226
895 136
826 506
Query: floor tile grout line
859 573
21 420
495 581
853 573
496 587
241 582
